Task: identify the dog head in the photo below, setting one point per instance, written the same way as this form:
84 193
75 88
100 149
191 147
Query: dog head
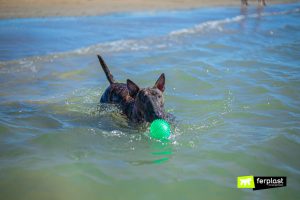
149 102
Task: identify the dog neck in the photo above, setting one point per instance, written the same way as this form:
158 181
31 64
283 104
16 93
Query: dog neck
130 109
136 114
133 112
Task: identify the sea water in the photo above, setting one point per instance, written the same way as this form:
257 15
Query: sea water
232 82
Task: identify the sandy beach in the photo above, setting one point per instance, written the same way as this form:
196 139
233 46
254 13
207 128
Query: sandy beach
43 8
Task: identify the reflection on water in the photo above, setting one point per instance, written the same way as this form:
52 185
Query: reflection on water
232 77
259 11
161 152
257 19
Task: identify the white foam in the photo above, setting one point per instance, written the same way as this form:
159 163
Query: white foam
217 24
173 37
207 26
140 44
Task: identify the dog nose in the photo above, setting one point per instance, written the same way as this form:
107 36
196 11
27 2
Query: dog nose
159 115
156 115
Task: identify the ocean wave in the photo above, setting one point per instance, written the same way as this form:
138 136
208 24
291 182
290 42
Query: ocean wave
217 24
145 44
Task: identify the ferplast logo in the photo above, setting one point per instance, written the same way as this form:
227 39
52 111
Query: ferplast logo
245 182
261 182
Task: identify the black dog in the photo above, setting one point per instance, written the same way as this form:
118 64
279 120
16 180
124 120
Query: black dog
139 105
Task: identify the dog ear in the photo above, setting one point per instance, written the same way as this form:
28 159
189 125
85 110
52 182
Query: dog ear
160 83
132 88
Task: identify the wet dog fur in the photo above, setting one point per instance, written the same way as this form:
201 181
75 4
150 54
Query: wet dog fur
138 104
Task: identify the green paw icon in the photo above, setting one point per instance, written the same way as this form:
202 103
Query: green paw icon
245 182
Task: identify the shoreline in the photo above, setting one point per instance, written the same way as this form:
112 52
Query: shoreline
11 9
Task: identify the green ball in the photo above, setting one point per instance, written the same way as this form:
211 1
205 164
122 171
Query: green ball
160 129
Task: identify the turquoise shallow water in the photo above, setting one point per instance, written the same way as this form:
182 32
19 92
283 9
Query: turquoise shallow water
233 82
